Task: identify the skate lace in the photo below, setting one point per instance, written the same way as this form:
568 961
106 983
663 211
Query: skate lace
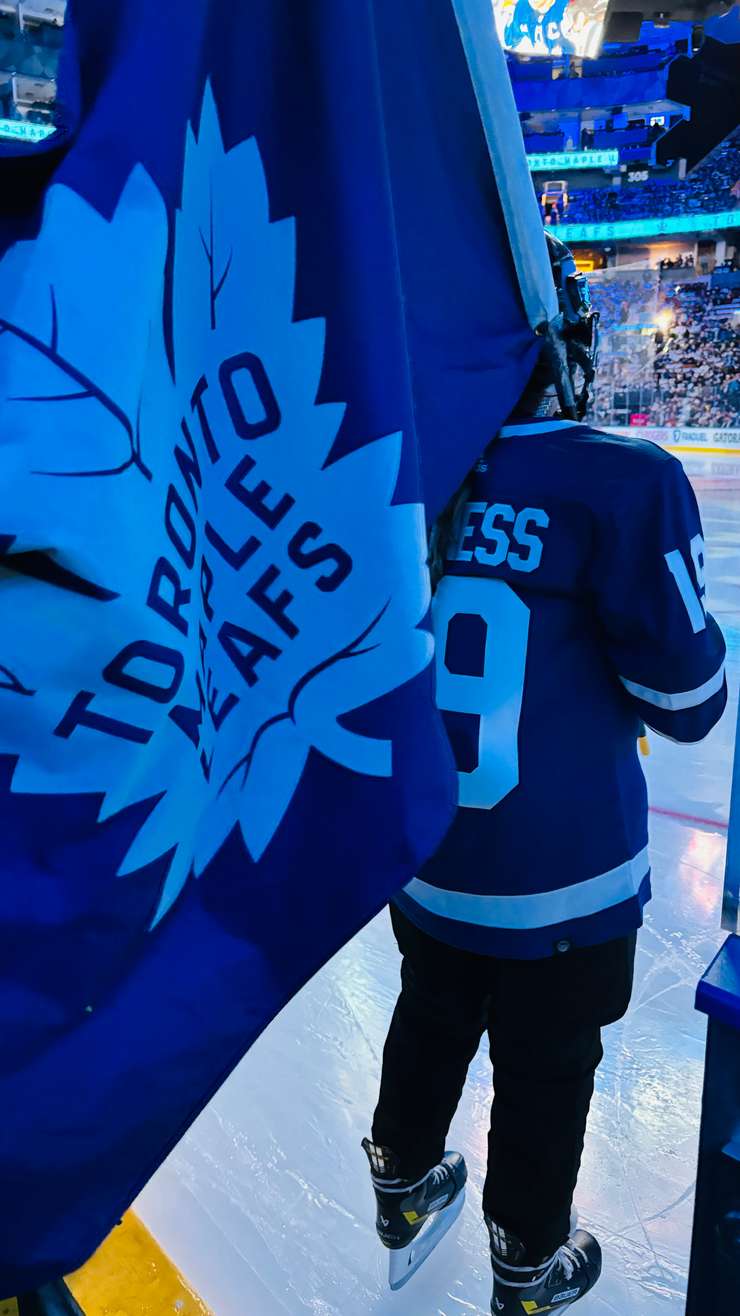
568 1259
438 1175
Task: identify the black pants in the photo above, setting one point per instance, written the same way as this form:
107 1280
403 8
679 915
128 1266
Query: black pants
544 1020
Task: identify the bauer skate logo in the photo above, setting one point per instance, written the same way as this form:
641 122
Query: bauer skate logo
164 436
533 1309
566 1296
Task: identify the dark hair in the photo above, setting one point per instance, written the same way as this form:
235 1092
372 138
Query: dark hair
447 526
540 380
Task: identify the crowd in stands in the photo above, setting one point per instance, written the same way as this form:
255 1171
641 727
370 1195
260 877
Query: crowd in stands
627 301
633 138
611 63
31 38
710 188
625 297
697 367
636 132
670 355
555 207
680 262
631 59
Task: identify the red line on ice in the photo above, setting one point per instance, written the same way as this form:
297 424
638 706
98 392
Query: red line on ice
690 817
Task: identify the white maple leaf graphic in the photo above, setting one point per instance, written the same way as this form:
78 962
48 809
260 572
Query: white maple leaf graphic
247 595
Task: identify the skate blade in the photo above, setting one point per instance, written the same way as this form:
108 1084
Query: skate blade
404 1262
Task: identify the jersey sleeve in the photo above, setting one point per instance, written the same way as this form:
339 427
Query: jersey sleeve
647 583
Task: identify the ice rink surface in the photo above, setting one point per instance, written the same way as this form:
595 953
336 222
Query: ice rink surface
266 1204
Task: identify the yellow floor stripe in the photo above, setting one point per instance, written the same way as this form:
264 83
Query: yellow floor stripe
130 1276
687 447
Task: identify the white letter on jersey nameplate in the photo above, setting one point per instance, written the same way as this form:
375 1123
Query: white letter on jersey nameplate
496 517
525 539
495 512
459 553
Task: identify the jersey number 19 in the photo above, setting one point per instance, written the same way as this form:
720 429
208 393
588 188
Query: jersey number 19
495 695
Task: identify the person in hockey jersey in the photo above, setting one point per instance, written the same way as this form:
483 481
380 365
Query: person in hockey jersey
568 611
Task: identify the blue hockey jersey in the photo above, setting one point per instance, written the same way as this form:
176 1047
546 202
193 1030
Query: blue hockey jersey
571 610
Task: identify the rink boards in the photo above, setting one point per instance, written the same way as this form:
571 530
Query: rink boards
683 439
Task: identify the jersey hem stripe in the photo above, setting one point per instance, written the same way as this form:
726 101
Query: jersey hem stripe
675 703
540 909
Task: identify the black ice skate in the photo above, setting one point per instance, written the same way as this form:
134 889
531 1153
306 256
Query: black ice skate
413 1217
552 1286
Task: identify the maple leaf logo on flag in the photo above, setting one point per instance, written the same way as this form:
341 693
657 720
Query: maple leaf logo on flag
229 595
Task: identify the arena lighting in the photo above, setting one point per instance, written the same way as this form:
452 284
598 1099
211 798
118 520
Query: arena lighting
648 228
573 160
664 319
19 130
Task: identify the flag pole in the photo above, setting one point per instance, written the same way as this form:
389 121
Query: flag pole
495 96
500 119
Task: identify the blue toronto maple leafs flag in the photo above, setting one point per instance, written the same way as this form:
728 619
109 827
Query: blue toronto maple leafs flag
257 318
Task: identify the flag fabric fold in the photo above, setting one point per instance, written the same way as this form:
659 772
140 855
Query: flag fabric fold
258 315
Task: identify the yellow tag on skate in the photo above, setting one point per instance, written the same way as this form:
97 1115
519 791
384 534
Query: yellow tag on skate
411 1216
532 1309
9 1307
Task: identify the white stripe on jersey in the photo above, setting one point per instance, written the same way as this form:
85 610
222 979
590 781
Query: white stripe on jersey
676 703
539 427
542 908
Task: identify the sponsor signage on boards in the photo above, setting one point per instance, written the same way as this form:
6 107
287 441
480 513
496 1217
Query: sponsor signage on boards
679 436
